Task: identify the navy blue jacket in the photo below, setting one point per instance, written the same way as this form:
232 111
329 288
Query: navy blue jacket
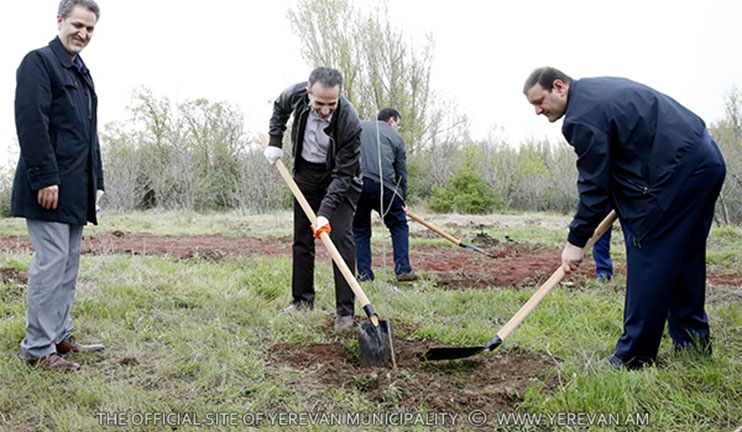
55 116
343 157
393 156
634 147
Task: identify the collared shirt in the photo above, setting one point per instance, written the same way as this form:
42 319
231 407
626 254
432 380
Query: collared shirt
77 61
316 142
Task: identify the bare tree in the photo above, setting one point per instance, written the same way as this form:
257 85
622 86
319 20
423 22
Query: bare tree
381 65
728 135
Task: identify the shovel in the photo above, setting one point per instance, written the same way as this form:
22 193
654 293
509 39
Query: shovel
450 353
374 337
448 237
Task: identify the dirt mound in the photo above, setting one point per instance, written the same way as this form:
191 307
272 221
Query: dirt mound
11 275
490 382
204 254
208 246
518 264
484 239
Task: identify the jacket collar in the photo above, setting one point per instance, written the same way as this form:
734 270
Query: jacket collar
62 54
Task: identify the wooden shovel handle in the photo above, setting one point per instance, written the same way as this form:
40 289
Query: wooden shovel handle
344 269
555 278
434 228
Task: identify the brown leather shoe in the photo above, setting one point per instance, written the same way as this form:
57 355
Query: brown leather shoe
54 362
408 277
71 345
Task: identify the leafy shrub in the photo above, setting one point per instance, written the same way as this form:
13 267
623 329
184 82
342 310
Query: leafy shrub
466 192
6 187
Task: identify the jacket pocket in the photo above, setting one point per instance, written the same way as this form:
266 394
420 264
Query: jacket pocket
632 188
67 148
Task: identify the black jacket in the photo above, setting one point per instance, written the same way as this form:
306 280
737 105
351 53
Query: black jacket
55 116
343 157
635 146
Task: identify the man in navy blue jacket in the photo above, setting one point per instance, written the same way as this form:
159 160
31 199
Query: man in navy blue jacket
651 159
58 179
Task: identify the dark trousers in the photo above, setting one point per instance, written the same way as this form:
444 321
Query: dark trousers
666 278
602 255
313 180
395 220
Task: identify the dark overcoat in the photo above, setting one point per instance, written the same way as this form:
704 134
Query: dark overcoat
56 121
635 148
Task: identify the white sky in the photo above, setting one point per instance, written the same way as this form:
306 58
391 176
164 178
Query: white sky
244 52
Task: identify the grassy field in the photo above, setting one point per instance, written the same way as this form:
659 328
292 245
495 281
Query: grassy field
193 337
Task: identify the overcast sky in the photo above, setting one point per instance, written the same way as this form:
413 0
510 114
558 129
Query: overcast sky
245 53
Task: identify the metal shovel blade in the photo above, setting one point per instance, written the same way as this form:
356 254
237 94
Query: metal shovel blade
452 353
476 249
373 342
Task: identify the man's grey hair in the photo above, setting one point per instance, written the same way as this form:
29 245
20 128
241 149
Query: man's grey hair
66 6
545 76
329 77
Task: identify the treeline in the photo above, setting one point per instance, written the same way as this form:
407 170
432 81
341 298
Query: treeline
197 156
194 156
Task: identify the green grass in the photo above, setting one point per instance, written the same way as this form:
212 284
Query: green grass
174 223
192 337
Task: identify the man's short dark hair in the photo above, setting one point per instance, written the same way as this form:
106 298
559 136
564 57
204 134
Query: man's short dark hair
387 113
329 77
66 6
545 76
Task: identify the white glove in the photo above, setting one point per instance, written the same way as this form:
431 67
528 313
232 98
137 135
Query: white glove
322 225
99 193
321 221
272 153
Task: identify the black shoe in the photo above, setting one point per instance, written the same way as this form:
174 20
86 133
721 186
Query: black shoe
633 364
614 362
343 323
298 306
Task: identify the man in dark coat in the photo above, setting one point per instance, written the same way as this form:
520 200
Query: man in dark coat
58 179
645 155
326 137
380 139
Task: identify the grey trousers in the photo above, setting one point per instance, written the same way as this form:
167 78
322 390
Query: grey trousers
51 285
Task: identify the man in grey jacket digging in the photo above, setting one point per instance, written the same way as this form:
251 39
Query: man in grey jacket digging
394 172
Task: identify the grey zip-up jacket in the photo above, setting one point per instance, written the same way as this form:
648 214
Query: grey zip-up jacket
393 157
